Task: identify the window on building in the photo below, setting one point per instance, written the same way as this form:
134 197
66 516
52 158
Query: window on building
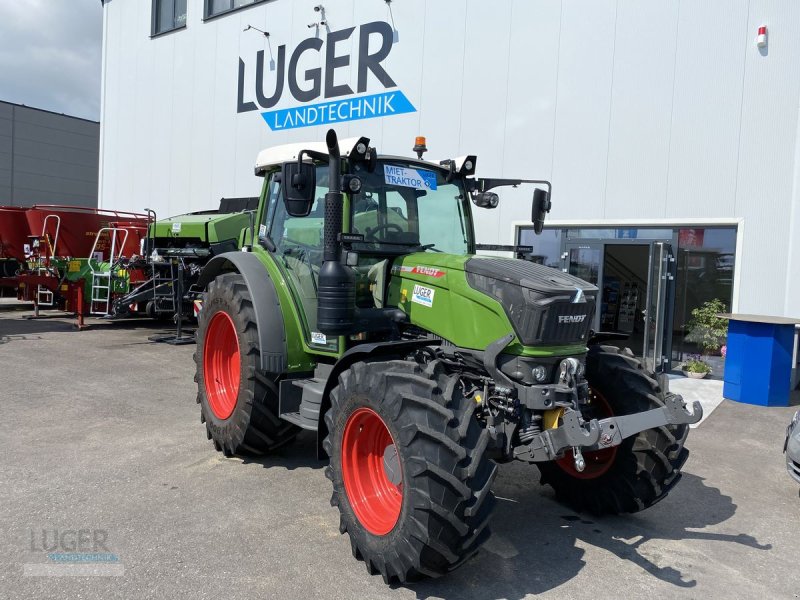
217 7
168 15
546 246
705 263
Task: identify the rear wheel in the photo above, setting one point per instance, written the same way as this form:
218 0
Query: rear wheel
238 402
409 469
644 468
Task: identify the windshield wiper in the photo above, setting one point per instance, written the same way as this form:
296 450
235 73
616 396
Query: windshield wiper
423 248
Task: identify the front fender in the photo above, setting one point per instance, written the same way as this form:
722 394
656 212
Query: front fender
267 306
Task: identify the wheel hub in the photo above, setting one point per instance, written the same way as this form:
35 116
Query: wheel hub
371 471
221 365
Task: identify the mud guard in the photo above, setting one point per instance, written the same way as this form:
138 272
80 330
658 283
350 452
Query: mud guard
269 316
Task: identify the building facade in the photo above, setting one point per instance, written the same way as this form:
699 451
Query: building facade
671 137
47 157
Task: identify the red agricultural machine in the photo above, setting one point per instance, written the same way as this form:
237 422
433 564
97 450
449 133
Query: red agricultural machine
72 258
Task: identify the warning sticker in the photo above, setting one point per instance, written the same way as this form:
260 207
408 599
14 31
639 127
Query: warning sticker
423 295
318 338
419 179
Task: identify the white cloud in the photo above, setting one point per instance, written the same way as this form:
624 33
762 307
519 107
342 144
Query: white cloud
50 55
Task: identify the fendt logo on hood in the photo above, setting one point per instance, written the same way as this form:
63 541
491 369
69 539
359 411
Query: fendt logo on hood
318 83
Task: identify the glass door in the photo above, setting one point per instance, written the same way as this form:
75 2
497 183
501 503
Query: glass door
585 261
660 282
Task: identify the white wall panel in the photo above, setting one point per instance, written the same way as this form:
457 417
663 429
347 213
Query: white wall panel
580 154
634 110
768 152
483 105
641 108
706 112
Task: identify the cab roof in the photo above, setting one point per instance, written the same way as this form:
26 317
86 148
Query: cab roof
277 155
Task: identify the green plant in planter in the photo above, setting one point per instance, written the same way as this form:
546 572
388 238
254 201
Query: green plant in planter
706 329
696 365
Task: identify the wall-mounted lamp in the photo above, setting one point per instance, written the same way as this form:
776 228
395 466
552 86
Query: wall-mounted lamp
269 44
395 33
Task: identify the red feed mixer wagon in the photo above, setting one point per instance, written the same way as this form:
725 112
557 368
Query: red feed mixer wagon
72 229
14 233
76 258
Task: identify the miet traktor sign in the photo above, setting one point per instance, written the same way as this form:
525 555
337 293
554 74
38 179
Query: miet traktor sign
341 102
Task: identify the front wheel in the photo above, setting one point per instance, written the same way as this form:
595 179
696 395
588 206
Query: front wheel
238 402
409 469
640 471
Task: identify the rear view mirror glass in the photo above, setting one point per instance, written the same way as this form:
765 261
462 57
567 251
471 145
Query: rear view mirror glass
299 187
539 209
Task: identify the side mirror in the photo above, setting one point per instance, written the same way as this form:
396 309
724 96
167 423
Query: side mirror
485 199
539 209
299 183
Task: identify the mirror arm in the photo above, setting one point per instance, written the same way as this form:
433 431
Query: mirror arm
484 185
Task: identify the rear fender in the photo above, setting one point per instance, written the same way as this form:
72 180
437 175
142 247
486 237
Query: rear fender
267 306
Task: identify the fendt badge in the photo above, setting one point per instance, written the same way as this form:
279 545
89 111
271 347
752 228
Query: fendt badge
571 318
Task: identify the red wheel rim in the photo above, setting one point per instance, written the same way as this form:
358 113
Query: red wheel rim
221 366
375 499
598 462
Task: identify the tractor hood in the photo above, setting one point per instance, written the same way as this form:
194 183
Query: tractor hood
472 301
546 306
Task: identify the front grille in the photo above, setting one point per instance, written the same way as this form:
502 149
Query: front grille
572 326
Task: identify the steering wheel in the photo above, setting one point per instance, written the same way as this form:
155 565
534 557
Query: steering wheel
371 233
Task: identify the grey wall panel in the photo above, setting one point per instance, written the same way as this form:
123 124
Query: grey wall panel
55 157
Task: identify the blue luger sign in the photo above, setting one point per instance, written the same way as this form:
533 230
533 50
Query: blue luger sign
339 100
348 109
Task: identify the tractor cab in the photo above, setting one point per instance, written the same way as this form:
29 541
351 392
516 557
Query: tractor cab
395 210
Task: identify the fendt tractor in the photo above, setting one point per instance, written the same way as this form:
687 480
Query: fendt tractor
360 310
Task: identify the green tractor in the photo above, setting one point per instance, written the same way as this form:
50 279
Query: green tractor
358 309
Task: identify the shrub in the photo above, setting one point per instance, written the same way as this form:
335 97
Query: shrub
696 365
706 329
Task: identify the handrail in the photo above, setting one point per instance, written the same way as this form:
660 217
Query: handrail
88 209
113 231
44 233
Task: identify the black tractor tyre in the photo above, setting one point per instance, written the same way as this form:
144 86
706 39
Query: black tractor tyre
243 418
646 466
445 475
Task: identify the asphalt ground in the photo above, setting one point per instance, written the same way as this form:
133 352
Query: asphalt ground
101 441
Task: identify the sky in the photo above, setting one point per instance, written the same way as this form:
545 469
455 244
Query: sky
50 55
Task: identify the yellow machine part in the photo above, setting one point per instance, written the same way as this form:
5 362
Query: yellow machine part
551 417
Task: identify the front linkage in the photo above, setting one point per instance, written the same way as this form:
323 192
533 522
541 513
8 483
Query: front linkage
540 422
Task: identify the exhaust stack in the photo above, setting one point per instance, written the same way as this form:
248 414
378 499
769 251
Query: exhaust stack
337 282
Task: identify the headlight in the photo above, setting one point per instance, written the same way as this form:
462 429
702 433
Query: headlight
539 373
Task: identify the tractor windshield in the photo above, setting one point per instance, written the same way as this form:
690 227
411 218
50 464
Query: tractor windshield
404 206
